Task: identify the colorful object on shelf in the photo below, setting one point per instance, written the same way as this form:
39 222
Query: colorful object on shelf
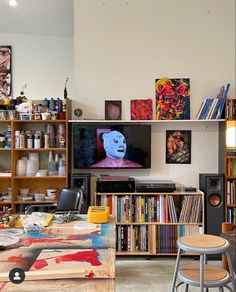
98 214
5 74
141 109
178 146
173 99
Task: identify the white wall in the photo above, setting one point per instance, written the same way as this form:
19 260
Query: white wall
43 62
122 46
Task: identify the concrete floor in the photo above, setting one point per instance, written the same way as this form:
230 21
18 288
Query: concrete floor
135 274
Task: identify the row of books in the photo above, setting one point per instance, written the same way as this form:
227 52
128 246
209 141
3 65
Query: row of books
191 211
230 192
167 235
213 108
230 112
153 239
231 215
154 208
132 238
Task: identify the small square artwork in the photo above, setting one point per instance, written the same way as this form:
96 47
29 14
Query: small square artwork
173 99
141 109
178 146
5 72
113 109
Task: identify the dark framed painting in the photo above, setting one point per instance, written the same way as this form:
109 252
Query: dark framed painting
172 98
113 109
5 72
178 146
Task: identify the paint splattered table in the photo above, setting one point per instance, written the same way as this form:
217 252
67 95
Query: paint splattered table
63 258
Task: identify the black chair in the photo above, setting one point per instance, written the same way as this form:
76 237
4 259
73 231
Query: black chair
68 200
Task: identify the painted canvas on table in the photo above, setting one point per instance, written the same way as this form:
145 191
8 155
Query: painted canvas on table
178 146
173 99
5 72
141 109
113 109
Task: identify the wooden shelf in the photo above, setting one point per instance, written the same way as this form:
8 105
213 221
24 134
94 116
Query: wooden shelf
156 223
40 177
5 177
98 121
34 202
230 177
230 157
40 149
230 205
198 193
5 203
5 149
39 121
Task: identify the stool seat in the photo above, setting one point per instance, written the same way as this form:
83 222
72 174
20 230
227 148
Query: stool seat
203 243
212 274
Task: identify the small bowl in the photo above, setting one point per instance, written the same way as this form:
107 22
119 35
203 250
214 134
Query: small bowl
24 192
39 197
51 198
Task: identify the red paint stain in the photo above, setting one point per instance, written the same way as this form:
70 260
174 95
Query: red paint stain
90 275
2 285
90 256
40 264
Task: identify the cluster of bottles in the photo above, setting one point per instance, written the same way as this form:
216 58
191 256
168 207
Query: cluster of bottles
54 137
57 165
5 137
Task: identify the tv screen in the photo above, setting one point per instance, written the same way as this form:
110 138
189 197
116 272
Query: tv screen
111 146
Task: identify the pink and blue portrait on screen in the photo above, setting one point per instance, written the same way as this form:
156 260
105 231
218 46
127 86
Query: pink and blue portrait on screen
172 99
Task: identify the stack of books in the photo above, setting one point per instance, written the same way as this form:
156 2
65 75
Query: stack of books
231 109
213 108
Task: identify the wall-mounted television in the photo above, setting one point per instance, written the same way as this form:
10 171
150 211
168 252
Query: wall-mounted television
111 146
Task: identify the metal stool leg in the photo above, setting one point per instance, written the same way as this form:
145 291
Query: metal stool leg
186 288
231 272
176 270
201 272
221 289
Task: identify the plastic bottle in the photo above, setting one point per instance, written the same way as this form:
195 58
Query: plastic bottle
22 139
52 104
17 139
51 131
7 134
60 137
59 105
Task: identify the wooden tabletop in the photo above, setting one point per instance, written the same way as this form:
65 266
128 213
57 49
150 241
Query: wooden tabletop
64 256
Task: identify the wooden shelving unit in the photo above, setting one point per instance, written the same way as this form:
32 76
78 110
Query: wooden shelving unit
146 224
36 184
230 161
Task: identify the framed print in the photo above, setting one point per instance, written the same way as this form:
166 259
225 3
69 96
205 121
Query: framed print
113 109
178 146
173 99
5 72
141 109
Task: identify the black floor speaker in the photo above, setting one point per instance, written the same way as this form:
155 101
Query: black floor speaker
213 187
82 181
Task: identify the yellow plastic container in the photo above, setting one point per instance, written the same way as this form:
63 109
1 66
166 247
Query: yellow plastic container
98 214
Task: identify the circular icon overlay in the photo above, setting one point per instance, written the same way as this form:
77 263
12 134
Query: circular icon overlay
17 276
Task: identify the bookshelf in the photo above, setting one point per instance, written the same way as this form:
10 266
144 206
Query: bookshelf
150 223
230 161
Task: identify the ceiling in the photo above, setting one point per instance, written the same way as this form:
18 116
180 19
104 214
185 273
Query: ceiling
38 17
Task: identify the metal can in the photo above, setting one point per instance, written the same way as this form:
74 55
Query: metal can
37 139
30 141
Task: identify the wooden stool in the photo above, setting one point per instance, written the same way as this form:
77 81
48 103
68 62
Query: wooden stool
203 275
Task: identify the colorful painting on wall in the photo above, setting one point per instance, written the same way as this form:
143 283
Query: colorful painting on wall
173 99
178 146
5 72
141 109
113 109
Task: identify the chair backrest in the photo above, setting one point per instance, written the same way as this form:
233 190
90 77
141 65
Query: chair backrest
70 199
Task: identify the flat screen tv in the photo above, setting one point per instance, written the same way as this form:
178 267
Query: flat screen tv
111 146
